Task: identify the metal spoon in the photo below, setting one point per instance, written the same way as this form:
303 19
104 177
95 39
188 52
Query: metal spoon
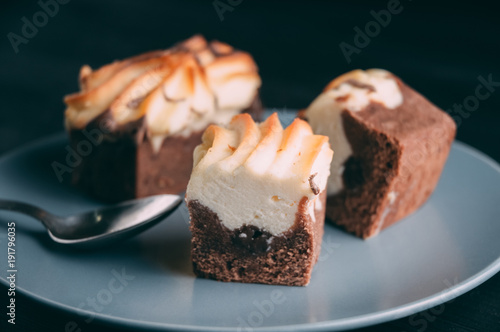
102 225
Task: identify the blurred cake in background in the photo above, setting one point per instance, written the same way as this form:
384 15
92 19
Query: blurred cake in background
144 115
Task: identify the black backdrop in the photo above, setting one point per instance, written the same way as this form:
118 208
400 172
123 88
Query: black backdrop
442 50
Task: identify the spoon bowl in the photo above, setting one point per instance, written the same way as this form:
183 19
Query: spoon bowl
103 225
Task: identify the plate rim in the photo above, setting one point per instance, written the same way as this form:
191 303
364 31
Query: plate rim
340 324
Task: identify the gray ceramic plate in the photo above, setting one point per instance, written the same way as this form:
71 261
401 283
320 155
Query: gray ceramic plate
445 249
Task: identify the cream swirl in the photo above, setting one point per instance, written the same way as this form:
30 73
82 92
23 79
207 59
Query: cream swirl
256 174
177 91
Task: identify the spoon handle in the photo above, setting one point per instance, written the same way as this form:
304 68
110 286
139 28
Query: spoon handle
45 217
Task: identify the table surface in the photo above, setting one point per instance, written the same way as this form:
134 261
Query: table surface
443 51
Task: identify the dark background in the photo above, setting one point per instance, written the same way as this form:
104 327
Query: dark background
440 50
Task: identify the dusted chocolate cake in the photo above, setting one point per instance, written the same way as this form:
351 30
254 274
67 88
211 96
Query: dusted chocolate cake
390 147
256 198
145 115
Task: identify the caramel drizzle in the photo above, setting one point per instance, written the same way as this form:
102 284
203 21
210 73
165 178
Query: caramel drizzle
358 84
313 185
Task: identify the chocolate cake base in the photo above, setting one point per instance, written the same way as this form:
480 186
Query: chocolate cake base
122 165
108 172
121 168
256 257
168 171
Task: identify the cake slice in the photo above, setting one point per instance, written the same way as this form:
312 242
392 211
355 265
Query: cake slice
390 147
256 199
136 122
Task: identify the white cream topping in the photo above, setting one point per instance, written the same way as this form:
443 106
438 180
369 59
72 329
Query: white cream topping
178 91
324 113
258 174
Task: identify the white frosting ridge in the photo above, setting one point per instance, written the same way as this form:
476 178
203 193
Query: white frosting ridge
179 91
257 174
352 91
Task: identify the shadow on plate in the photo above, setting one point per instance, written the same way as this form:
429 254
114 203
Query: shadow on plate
172 254
32 169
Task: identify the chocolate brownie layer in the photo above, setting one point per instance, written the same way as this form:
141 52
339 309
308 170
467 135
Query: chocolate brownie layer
251 255
168 171
398 152
108 172
122 164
